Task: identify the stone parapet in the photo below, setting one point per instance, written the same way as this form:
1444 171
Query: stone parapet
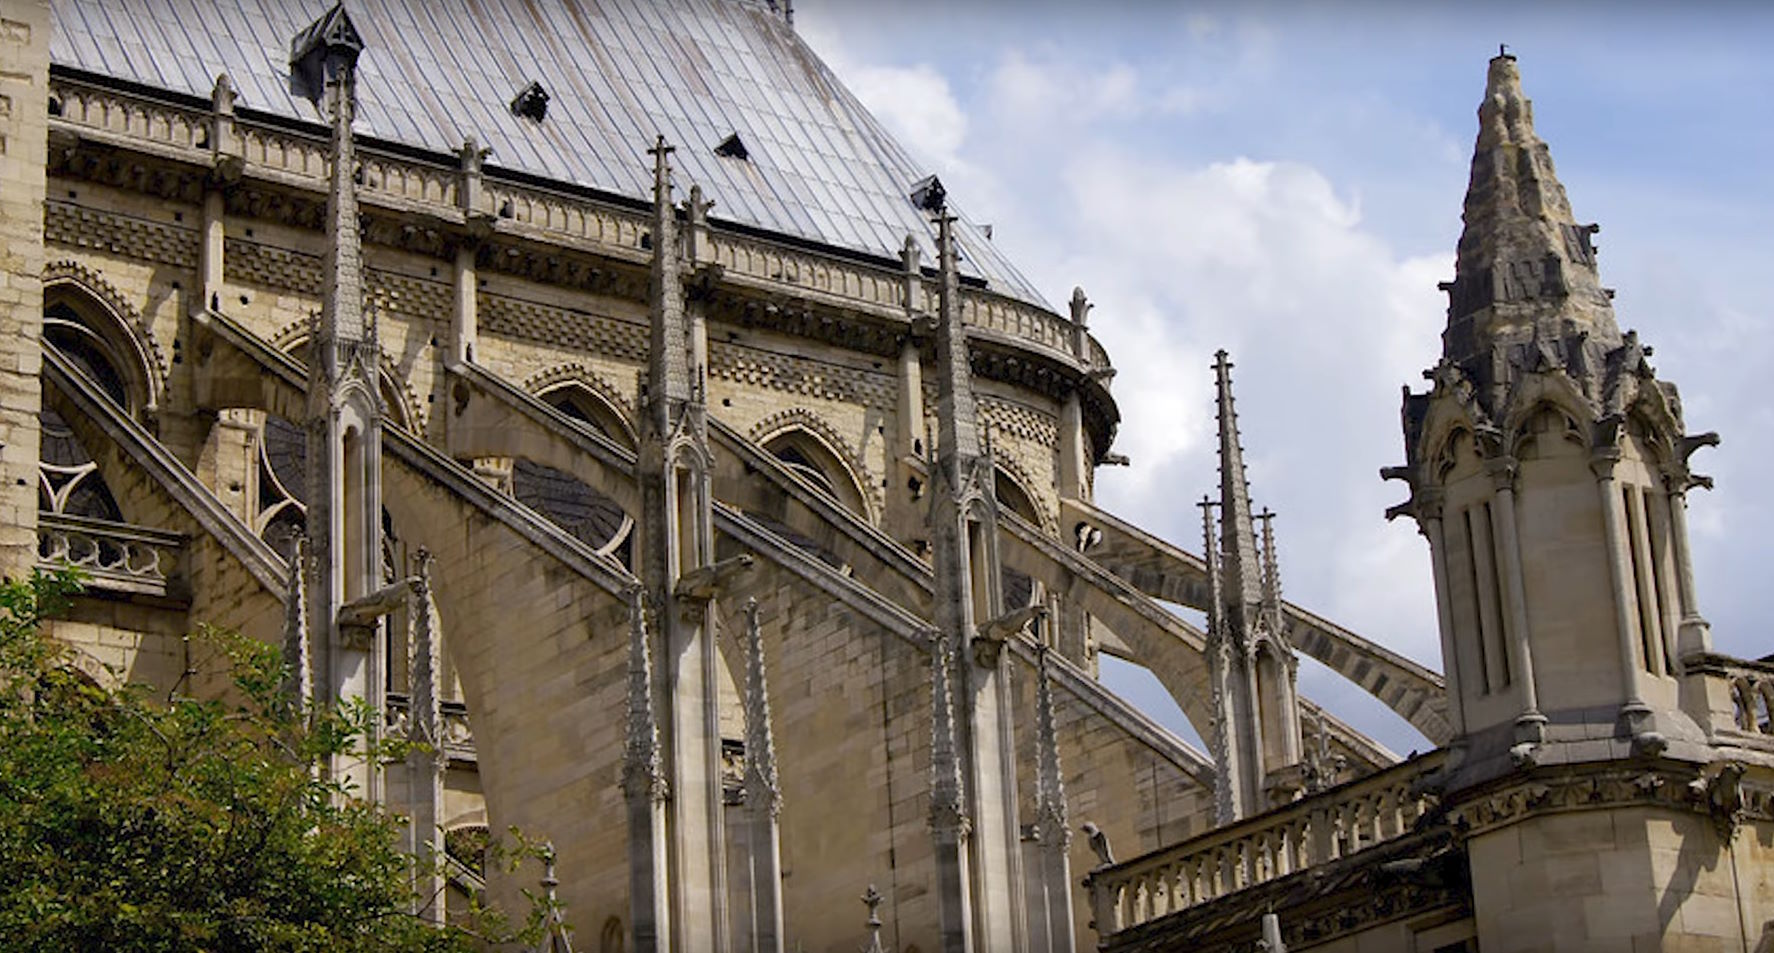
1335 824
512 213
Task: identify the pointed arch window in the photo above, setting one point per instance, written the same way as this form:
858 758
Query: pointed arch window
68 481
811 459
1018 589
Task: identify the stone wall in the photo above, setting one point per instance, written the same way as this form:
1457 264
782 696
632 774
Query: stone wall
24 152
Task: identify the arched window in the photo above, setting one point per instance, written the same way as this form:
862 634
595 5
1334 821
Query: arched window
1018 589
93 337
584 405
586 514
69 483
808 457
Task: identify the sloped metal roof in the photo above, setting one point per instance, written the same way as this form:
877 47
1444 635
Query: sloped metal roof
617 72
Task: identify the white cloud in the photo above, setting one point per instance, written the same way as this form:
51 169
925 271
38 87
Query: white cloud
916 104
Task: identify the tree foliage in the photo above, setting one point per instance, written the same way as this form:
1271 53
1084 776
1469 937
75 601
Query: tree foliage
134 820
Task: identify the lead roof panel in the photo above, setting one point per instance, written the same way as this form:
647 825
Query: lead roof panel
618 72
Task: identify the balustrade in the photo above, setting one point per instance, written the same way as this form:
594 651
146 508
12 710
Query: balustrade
1325 827
458 735
115 557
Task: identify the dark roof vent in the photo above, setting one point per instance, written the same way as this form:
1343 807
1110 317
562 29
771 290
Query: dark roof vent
929 195
732 148
329 45
531 102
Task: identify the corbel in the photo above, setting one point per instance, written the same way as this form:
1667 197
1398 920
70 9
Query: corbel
988 640
357 618
705 582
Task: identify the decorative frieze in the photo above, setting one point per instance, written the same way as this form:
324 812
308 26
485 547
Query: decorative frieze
563 328
797 375
403 294
1718 791
1020 420
268 266
77 226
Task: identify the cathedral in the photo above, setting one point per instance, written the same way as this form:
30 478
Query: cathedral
625 416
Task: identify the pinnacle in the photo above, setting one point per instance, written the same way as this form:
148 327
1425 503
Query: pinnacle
1523 258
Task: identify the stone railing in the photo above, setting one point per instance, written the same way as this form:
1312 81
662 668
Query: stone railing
1740 696
458 735
114 557
128 116
768 261
1325 827
300 158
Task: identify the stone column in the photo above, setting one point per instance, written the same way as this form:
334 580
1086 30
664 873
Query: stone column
1530 725
1053 927
950 825
1694 635
1640 541
1429 515
1633 705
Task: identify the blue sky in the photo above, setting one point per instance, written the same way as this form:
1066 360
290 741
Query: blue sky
1285 181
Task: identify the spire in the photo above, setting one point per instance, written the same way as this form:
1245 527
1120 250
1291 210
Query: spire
1271 566
642 775
298 672
761 785
1243 585
1052 823
957 417
1521 250
323 64
668 371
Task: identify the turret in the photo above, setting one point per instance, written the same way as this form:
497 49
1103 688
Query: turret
1548 469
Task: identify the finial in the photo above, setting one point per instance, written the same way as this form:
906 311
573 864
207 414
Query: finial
221 98
661 154
762 786
948 809
872 898
298 685
471 154
1503 52
1052 822
641 771
557 938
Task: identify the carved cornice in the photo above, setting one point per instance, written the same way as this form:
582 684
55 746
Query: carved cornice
1717 791
566 238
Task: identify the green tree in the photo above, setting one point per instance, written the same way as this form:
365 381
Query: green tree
132 820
